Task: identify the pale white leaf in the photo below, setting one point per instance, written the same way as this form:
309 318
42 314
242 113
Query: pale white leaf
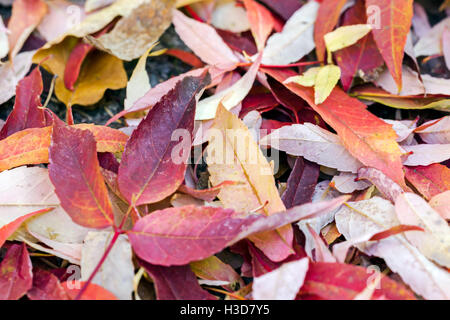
435 131
117 272
296 40
434 243
426 154
203 40
228 16
314 144
356 220
282 283
346 182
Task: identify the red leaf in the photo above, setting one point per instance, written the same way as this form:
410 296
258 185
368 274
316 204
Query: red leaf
335 281
301 183
7 230
16 277
93 291
394 18
238 42
363 55
327 18
366 137
75 172
176 283
74 62
148 173
187 57
26 112
261 22
393 231
430 180
46 286
285 8
177 236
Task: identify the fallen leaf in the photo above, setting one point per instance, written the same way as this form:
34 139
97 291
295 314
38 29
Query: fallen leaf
327 78
26 15
178 246
93 291
426 154
100 71
374 145
362 58
347 182
46 286
230 97
314 144
296 40
12 72
384 184
243 162
336 281
435 131
327 18
176 283
152 167
434 243
365 218
27 112
73 154
16 277
430 180
394 22
431 43
282 283
441 203
301 183
213 269
30 146
117 271
203 40
261 22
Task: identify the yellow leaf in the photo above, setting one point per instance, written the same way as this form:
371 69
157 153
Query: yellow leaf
326 80
100 71
182 3
307 79
345 36
233 155
140 25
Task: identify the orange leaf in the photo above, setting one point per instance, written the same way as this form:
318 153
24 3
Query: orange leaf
327 18
93 291
261 22
30 146
430 180
366 137
391 20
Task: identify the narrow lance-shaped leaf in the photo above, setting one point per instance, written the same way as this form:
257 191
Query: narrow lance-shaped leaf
152 168
75 173
261 22
177 236
327 18
391 21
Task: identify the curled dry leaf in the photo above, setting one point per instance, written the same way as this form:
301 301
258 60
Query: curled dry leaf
99 72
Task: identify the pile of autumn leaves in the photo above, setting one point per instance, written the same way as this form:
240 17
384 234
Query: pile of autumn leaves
119 206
